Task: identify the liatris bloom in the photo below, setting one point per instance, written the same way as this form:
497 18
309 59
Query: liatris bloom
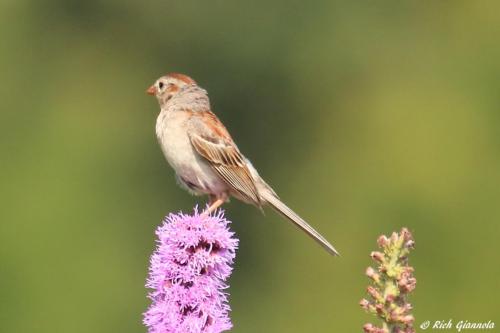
392 281
187 274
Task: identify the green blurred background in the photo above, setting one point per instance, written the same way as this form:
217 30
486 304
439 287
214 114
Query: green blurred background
365 117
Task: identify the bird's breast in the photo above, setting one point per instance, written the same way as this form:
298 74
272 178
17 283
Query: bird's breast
173 138
172 134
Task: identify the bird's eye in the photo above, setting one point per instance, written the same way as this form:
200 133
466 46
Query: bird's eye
160 85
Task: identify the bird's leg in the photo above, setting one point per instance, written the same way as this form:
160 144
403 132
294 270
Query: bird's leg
214 203
211 199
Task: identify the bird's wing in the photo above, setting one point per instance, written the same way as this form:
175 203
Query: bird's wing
213 142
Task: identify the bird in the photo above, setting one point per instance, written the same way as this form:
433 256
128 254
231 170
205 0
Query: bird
205 158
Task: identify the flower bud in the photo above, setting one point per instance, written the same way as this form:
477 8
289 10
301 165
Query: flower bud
382 241
408 319
364 303
377 256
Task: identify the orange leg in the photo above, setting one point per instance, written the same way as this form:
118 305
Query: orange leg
214 203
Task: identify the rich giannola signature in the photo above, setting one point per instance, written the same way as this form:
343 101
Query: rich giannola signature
459 326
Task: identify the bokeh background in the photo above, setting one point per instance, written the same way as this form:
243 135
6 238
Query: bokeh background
365 117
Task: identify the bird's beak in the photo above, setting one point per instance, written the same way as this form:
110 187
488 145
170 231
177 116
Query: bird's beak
151 90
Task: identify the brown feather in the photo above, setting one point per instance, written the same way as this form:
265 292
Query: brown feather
213 142
182 77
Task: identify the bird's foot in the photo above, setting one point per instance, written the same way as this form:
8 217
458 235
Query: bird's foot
213 204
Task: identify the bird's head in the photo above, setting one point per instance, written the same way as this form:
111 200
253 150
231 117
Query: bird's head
169 85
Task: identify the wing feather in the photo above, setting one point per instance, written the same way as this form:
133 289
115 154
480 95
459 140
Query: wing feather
212 141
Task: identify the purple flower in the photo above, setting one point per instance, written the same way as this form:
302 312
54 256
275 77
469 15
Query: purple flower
188 272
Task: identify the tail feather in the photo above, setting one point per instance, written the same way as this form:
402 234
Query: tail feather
284 210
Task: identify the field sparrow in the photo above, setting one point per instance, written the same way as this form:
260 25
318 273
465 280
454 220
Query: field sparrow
204 156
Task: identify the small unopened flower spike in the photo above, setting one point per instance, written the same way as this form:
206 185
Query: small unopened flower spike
187 275
391 282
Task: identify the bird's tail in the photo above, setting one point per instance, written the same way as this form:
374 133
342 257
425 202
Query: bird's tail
284 210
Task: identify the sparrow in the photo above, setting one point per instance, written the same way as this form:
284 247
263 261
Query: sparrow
205 158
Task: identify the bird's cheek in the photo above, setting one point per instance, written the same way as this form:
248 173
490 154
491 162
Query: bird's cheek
172 89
